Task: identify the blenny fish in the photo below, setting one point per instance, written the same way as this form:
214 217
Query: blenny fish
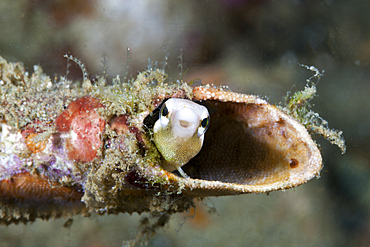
144 145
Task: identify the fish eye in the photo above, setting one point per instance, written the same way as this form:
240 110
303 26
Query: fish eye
203 126
204 122
164 111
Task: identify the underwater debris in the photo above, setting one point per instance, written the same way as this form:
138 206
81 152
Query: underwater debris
96 142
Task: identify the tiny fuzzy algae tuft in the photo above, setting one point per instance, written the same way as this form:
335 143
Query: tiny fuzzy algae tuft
298 106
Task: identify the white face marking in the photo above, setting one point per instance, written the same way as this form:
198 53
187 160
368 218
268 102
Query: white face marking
179 131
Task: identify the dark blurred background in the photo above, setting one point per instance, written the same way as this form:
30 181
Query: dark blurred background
252 46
